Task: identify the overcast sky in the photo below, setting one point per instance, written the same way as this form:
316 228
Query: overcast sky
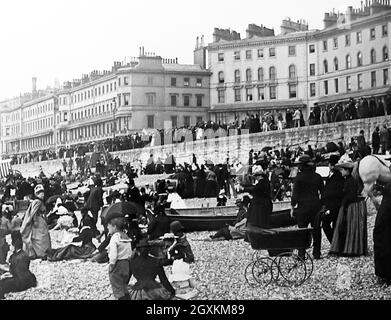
63 39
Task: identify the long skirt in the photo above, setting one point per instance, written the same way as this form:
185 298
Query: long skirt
160 293
351 235
38 239
71 252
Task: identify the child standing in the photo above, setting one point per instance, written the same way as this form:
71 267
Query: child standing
120 251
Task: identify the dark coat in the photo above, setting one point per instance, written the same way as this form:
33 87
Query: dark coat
382 237
350 192
307 187
133 195
95 199
145 269
261 206
158 227
333 193
375 139
22 278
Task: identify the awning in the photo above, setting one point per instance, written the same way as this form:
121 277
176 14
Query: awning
358 94
259 106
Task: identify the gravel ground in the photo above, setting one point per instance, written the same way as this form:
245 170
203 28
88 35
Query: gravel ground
219 274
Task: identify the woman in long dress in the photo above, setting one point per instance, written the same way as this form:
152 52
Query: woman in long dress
34 230
382 238
350 236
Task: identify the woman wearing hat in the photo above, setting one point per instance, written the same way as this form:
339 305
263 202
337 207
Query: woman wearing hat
350 235
145 269
261 206
34 230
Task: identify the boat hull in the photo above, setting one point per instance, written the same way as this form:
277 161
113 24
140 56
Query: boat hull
213 219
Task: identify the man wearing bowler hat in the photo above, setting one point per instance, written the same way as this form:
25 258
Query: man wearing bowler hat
306 203
332 197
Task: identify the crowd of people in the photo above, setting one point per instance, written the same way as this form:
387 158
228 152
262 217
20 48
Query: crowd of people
252 123
128 241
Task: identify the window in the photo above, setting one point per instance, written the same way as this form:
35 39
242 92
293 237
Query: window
221 77
199 100
312 90
312 69
292 72
174 121
173 100
359 81
65 116
151 99
261 93
385 77
126 82
292 91
348 84
249 94
186 82
199 120
372 34
150 81
248 54
373 56
186 121
325 45
312 48
126 98
335 64
335 43
151 121
272 73
260 53
248 75
237 55
326 87
373 79
347 40
237 76
199 82
292 50
221 96
359 59
272 52
186 100
325 66
111 88
220 57
273 92
260 74
173 82
385 53
384 30
336 85
348 62
237 95
359 37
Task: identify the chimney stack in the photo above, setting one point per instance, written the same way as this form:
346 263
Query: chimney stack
34 80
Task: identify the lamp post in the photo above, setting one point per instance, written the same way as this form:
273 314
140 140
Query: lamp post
114 103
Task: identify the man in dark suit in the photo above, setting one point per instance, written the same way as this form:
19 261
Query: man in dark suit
133 194
331 198
307 188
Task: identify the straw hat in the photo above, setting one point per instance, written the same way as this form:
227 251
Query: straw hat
257 171
346 164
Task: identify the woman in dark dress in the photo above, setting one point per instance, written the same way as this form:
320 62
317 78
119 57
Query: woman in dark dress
211 187
145 269
261 206
382 238
22 278
350 235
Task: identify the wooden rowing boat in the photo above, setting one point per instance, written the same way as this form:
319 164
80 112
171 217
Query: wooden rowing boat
214 218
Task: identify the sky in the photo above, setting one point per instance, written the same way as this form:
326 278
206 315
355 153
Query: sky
63 39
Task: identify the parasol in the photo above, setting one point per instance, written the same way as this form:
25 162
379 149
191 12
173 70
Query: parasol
121 209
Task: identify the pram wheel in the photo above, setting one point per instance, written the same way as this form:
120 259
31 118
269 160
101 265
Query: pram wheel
292 268
263 271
